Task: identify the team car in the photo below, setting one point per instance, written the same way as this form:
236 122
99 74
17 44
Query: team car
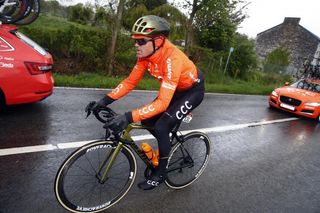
301 98
25 68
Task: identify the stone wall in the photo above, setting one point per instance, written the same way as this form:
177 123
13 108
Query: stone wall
296 39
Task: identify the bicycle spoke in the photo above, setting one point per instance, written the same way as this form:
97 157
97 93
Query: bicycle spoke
86 194
187 160
79 188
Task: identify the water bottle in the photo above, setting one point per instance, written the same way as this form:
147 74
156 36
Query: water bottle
147 149
151 155
155 159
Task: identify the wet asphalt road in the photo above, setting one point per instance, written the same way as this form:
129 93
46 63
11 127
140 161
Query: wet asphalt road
264 168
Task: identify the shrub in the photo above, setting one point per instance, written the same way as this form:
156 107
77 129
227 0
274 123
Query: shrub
277 61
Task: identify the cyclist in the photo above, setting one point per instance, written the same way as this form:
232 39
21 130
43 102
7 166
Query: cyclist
181 90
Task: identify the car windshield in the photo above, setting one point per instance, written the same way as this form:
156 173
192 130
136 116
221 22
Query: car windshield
307 85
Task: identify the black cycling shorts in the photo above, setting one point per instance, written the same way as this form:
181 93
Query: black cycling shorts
182 103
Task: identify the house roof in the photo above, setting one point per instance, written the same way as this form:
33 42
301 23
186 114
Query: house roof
293 20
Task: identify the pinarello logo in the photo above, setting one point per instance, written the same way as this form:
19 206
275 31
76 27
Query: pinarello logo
5 46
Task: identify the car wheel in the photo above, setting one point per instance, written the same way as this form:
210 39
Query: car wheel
2 99
271 107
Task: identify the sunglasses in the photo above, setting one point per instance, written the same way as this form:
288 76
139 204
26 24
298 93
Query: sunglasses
142 41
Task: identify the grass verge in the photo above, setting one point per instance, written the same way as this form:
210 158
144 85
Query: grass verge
88 80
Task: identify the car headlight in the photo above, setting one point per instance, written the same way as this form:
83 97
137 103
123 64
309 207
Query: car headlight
274 93
313 104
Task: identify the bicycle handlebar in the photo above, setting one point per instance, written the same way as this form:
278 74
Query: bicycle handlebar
103 114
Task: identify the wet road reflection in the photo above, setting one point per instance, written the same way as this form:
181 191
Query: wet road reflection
264 168
61 117
24 125
256 169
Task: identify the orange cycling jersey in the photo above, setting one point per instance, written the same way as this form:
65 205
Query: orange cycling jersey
171 67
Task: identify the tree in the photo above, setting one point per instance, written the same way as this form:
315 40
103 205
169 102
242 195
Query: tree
215 29
53 7
81 14
210 17
194 7
132 14
115 29
149 4
101 17
152 4
243 57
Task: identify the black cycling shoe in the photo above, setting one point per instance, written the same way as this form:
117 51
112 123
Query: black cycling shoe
157 176
151 183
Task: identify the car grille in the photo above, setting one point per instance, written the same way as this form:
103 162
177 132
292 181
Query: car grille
290 101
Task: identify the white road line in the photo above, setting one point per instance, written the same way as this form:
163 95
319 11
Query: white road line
49 147
27 149
72 144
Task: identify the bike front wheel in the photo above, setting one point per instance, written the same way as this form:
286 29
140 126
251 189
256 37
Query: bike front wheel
187 160
78 185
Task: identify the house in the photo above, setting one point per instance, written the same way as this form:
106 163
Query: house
299 42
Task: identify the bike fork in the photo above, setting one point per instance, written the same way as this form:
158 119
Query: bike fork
111 158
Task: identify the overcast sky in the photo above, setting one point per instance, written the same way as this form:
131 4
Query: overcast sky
264 14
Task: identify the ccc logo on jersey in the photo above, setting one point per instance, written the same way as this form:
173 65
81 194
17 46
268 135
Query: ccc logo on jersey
117 89
146 110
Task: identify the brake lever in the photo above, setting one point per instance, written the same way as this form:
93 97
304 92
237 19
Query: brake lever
88 113
89 107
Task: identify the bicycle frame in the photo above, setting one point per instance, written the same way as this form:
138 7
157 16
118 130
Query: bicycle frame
120 141
126 139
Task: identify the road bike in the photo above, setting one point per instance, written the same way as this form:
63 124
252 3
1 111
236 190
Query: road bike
19 12
309 71
99 174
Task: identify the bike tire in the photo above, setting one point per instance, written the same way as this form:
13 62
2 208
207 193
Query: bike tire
187 160
77 187
15 13
32 16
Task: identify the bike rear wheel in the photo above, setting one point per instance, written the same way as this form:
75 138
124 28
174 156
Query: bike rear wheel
14 11
33 15
187 160
77 185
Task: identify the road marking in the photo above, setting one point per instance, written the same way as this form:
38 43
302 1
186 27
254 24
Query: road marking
69 145
27 149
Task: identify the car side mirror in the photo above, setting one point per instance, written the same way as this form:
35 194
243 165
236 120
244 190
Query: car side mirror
287 84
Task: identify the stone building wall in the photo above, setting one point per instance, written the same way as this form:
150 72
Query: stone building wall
316 59
296 39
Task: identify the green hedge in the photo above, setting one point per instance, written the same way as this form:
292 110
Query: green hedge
80 48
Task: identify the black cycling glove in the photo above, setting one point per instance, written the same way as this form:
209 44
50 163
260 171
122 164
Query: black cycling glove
119 122
106 100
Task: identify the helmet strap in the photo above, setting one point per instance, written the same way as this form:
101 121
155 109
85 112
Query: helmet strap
154 45
156 48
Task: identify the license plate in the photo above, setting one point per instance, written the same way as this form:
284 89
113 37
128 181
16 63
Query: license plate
286 106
